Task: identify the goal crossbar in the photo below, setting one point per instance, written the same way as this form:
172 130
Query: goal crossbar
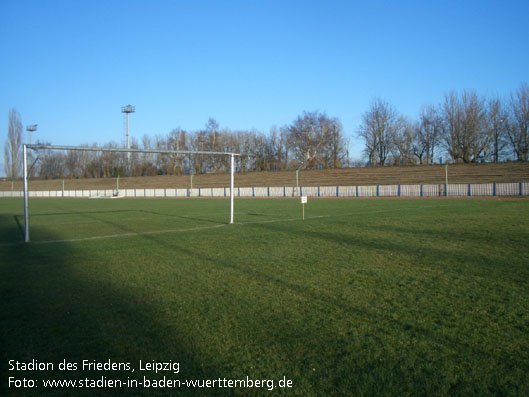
118 150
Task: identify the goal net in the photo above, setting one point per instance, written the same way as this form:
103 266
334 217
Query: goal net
116 192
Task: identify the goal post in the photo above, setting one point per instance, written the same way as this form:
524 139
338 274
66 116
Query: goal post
117 150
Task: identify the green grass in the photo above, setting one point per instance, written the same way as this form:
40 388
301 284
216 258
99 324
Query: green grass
364 297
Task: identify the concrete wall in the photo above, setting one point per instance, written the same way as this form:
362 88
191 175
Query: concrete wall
440 190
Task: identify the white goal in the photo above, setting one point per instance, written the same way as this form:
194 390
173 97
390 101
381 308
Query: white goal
114 193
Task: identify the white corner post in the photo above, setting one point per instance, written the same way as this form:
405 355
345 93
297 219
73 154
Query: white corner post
232 168
26 209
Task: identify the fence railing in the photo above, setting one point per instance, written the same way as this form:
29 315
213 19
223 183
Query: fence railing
425 190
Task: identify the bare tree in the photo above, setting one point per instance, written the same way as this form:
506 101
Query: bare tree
277 148
316 139
334 146
403 146
198 143
244 144
518 130
13 145
177 140
147 159
284 147
73 163
464 132
476 137
110 162
52 163
213 142
259 152
305 139
452 115
134 167
378 129
7 160
77 163
496 122
427 134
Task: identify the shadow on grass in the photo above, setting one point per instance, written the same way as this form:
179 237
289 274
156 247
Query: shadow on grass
314 335
68 213
51 311
408 246
93 216
181 217
19 226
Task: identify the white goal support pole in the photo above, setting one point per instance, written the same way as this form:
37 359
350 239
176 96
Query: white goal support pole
232 166
26 208
100 149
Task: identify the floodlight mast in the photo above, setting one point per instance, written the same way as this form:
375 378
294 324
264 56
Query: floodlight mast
31 129
99 149
128 110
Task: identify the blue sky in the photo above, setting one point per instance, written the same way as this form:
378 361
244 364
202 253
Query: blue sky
70 65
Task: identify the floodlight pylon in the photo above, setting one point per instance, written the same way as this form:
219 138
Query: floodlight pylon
128 110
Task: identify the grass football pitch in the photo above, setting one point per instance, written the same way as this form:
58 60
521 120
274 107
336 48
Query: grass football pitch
364 297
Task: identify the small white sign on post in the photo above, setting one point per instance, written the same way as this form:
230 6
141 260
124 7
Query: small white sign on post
303 202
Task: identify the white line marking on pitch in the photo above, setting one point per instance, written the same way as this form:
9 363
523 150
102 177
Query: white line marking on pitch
115 235
129 234
340 215
213 227
33 223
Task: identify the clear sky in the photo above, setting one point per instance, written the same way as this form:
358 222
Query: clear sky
69 66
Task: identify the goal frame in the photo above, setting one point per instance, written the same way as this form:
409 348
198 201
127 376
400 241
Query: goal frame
36 147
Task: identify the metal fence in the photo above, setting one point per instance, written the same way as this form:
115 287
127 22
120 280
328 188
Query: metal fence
435 190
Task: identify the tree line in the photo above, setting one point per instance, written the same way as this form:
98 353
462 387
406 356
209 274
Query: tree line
464 127
312 140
